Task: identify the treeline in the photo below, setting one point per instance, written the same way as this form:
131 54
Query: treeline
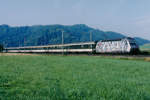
50 34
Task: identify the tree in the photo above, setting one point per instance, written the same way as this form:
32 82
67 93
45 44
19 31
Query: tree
1 48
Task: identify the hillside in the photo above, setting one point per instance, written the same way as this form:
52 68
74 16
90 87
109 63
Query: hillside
141 41
51 34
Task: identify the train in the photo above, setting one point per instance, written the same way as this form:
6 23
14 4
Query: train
122 46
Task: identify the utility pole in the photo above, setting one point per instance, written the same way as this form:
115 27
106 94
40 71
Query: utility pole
91 38
24 42
19 42
62 42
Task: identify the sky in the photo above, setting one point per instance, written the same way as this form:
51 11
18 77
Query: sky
129 17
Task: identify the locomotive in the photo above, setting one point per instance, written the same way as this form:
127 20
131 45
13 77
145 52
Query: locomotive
123 45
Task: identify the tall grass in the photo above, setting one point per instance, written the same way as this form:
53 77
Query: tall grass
73 78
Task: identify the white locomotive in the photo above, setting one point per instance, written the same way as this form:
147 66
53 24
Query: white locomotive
124 45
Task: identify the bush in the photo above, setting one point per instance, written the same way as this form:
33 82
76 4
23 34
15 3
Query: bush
1 48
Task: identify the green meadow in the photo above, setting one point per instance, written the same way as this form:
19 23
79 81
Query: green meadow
41 77
145 47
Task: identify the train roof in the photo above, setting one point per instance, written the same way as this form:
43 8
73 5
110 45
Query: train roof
57 45
116 39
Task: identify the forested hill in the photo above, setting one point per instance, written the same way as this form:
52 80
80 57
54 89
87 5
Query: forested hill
51 34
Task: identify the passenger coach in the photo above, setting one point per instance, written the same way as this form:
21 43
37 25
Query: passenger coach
87 47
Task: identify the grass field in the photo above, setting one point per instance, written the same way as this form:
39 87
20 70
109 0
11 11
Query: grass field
26 77
145 47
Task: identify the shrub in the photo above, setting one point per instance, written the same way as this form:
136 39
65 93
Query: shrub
1 48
